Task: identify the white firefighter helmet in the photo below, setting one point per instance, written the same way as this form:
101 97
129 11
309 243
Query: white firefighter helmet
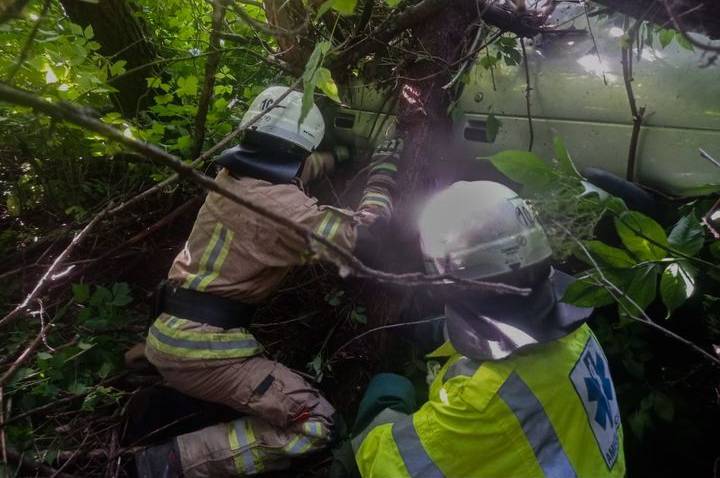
482 230
479 230
283 121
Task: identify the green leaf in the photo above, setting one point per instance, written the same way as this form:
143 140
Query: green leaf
88 33
677 284
81 293
44 356
119 67
310 77
85 346
75 29
392 3
77 388
344 7
642 236
666 37
688 235
327 5
493 126
684 42
187 85
121 294
105 369
523 167
640 285
609 256
326 83
585 293
615 204
183 143
563 157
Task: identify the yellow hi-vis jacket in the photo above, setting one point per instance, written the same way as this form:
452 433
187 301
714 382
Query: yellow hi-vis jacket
549 411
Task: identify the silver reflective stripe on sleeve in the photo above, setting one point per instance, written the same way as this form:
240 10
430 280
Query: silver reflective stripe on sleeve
416 459
202 345
243 443
465 367
537 427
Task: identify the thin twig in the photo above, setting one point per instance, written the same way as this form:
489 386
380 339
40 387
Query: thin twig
25 355
211 66
527 95
268 29
47 276
705 155
383 327
28 44
71 457
637 113
270 60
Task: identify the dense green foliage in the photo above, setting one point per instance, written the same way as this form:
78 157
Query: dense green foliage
640 276
54 176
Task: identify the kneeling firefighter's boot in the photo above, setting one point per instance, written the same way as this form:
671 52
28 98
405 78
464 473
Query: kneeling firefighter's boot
159 461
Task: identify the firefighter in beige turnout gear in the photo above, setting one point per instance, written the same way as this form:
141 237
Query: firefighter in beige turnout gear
234 259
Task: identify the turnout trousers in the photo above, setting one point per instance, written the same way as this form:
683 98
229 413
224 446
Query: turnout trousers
285 416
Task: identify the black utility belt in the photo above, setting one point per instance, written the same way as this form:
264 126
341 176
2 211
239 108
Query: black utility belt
202 307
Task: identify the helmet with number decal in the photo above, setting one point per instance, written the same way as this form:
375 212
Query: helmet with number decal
283 121
482 230
274 147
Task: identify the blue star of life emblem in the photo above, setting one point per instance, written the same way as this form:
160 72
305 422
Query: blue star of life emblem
593 384
599 389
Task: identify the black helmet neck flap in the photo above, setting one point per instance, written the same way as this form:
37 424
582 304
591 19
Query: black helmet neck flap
265 157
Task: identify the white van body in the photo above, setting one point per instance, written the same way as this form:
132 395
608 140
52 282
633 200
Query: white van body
578 93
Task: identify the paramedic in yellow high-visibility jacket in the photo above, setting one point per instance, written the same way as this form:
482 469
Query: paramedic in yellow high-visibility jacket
526 391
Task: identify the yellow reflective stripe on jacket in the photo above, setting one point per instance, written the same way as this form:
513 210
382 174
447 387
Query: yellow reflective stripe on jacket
384 166
212 259
329 225
168 336
299 445
242 439
378 199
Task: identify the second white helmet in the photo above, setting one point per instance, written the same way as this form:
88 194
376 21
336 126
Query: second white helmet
283 121
481 229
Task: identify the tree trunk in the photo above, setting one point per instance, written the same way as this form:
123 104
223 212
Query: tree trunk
289 15
122 36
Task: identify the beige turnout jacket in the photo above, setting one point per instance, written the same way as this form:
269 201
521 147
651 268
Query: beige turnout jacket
236 253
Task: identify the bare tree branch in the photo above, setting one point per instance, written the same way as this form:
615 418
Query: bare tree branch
47 276
211 66
342 257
